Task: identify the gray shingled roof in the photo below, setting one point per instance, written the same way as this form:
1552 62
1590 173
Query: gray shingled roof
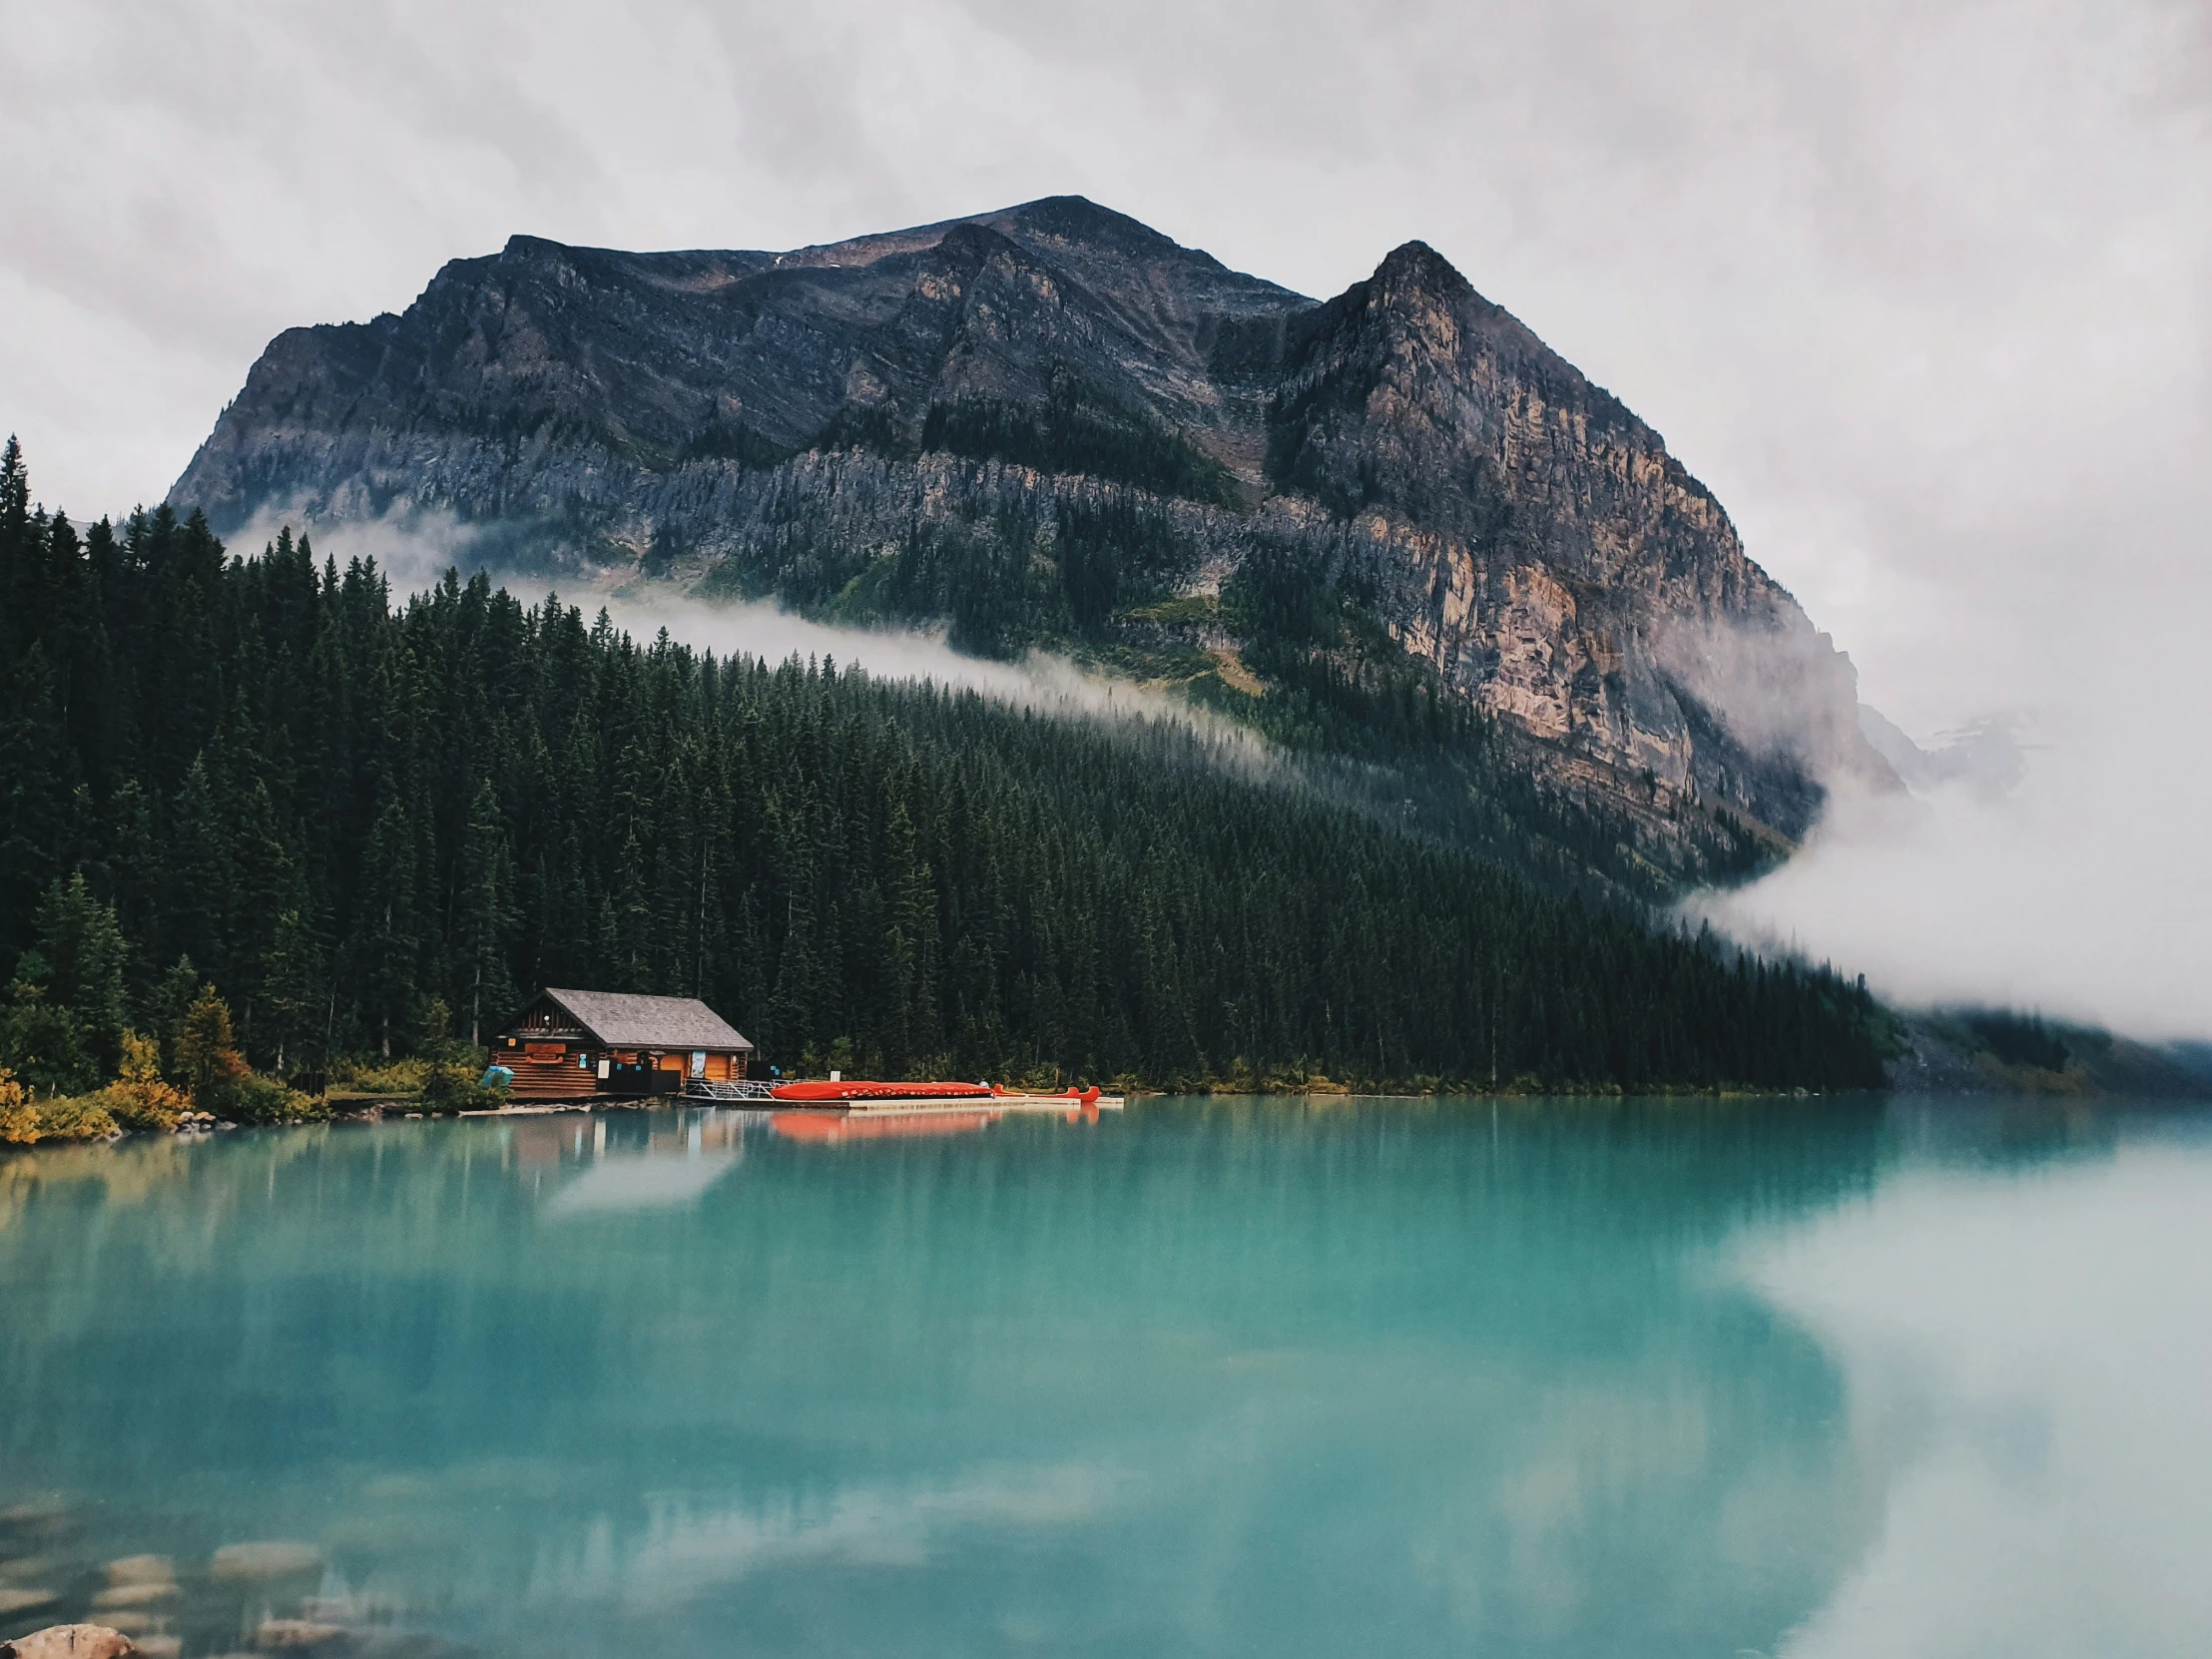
622 1021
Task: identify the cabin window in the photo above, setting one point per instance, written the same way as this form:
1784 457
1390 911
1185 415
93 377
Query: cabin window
584 1061
699 1062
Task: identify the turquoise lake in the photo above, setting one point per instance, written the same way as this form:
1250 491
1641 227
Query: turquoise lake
1207 1377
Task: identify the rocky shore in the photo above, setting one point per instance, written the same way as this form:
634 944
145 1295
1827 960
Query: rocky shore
253 1598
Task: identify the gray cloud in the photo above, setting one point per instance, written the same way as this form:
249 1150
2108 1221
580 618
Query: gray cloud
1923 290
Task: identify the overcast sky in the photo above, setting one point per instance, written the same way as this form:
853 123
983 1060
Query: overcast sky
1922 291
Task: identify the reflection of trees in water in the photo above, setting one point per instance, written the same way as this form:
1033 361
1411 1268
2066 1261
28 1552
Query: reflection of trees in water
2018 1131
128 1171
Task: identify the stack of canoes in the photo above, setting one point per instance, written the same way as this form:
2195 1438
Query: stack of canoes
867 1096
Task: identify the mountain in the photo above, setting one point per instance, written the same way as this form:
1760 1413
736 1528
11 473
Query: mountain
1987 755
1052 424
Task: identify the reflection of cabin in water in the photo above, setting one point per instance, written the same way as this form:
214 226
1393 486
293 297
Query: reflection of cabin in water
567 1046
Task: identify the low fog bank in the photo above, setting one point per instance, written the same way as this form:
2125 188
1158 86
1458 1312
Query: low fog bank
2051 863
2041 858
1038 681
415 551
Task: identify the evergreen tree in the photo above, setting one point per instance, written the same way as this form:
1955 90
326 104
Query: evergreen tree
293 981
81 945
207 1050
167 1006
485 915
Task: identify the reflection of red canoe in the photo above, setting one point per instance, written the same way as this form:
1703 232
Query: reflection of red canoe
840 1126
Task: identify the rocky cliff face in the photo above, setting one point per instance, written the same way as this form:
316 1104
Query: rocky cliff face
1053 423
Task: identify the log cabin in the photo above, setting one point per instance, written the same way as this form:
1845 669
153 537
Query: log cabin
580 1045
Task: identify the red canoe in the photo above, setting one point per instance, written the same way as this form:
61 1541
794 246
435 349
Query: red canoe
822 1094
880 1091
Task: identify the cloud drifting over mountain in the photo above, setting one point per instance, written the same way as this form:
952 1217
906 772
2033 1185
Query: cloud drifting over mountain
1922 291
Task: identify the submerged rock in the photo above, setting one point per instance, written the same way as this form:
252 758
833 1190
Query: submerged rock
70 1641
137 1581
267 1559
141 1627
21 1598
142 1569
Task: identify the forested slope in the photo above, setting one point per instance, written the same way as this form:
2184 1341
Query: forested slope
339 811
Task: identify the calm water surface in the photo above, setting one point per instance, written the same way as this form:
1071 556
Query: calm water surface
1206 1377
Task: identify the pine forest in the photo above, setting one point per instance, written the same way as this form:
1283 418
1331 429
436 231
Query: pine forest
367 826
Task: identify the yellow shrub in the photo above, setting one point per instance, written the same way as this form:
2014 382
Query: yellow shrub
139 1098
18 1120
24 1120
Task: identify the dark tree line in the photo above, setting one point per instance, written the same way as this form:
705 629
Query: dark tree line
339 811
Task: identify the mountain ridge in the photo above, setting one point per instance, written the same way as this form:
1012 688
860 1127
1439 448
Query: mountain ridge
1050 423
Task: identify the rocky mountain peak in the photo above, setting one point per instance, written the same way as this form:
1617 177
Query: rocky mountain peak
1053 424
1078 220
1414 271
521 248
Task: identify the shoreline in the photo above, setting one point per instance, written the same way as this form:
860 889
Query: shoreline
399 1111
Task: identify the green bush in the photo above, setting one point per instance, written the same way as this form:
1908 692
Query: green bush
258 1098
387 1077
455 1086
